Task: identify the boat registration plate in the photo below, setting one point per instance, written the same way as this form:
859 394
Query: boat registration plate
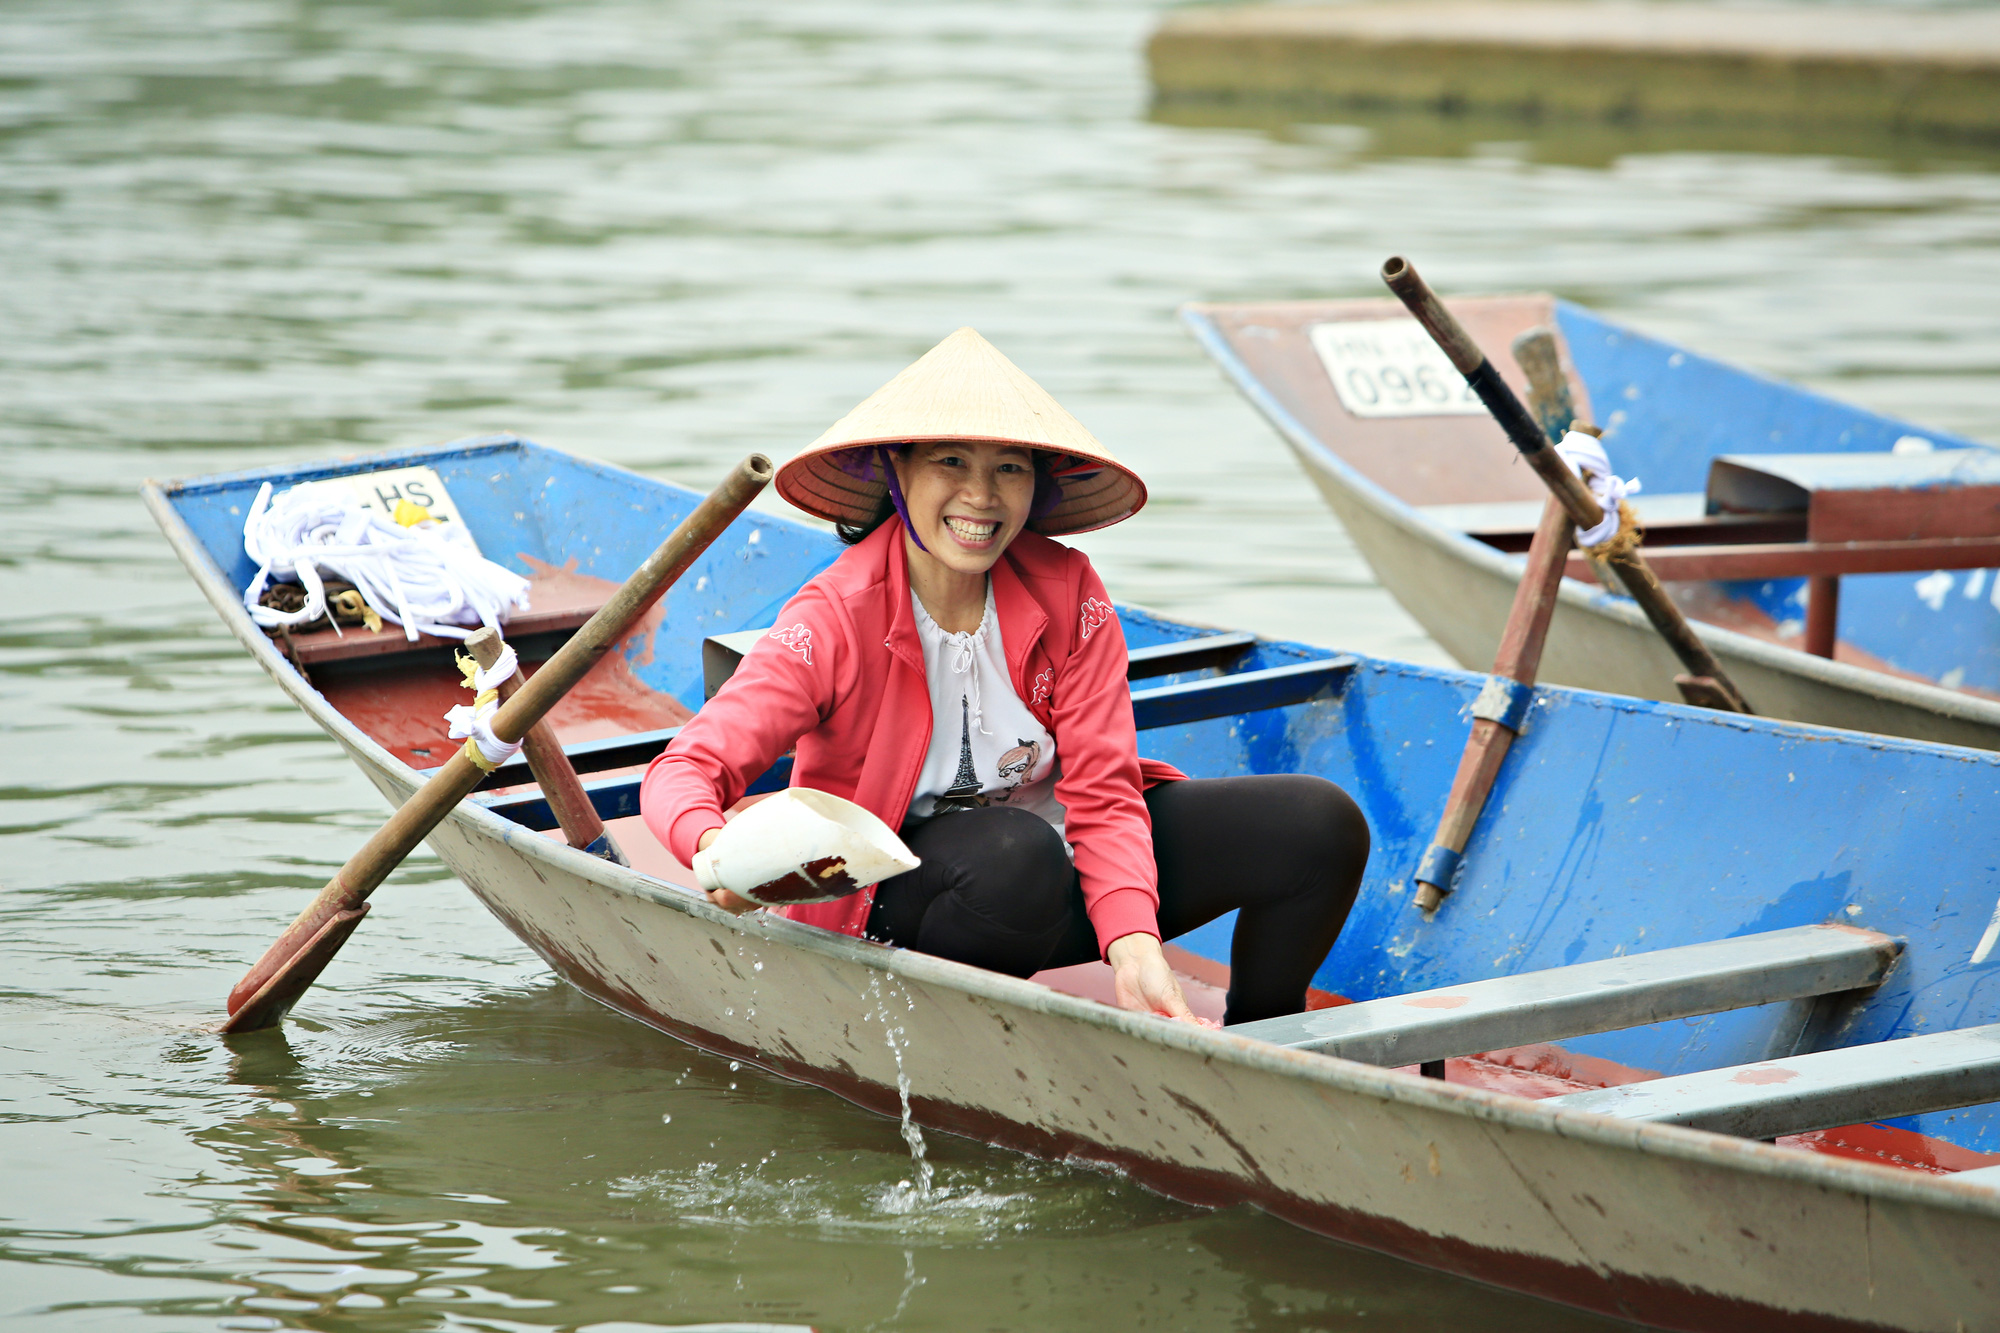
380 492
1391 368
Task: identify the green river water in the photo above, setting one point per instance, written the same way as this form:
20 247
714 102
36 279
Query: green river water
242 231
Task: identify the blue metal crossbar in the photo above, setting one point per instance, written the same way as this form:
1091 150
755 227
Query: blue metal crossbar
1165 706
1162 659
722 652
1603 996
1940 1071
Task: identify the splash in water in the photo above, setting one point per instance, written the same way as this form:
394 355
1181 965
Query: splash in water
905 1194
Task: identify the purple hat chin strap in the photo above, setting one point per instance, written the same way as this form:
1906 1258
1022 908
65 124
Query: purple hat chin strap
896 497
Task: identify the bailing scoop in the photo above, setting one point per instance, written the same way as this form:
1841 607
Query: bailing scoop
801 846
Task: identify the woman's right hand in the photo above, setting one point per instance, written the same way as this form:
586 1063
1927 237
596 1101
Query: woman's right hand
723 898
1142 981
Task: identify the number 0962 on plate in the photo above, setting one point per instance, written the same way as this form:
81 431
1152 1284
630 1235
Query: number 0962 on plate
1391 368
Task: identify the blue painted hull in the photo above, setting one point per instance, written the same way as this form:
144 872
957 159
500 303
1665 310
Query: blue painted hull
1670 411
1617 824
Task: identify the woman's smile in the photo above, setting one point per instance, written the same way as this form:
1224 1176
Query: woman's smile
973 532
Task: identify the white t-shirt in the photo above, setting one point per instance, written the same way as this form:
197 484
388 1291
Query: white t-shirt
986 747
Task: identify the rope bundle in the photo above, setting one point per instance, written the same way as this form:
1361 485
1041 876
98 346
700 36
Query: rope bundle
428 579
1619 531
473 723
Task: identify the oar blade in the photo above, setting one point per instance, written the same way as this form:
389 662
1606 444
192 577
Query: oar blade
275 998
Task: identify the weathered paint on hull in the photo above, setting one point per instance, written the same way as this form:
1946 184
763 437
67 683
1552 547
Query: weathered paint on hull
1667 1227
1674 1228
1602 642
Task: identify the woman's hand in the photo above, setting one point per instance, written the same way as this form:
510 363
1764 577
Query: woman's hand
1143 982
723 898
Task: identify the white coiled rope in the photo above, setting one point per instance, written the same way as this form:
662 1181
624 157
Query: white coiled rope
427 579
473 723
1586 457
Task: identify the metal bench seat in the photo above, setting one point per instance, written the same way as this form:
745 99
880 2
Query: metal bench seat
1936 1072
1429 1026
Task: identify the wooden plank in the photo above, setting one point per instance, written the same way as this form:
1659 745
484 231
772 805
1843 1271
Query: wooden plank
1791 560
1822 614
1868 496
1940 1071
562 603
1603 996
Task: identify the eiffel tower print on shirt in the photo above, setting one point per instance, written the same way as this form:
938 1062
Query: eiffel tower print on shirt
964 789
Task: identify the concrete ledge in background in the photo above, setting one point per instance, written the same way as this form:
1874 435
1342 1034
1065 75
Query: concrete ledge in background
1931 73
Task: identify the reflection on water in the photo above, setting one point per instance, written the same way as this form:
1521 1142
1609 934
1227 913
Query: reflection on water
663 234
530 1161
1382 133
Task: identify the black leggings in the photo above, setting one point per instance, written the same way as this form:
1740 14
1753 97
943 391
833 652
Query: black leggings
996 888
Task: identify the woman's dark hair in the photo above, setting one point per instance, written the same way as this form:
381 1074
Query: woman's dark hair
853 533
1047 496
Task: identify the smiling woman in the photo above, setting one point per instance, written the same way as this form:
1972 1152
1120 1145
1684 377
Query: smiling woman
963 676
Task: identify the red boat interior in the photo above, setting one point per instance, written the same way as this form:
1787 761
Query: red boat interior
398 692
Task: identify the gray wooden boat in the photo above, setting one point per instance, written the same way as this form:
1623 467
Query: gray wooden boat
1678 934
1746 484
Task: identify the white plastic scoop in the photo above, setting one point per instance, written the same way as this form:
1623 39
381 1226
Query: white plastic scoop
801 846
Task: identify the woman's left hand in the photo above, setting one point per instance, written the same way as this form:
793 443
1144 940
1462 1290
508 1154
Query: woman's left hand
1142 980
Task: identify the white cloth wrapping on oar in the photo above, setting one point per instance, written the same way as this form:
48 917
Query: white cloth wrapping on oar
474 721
426 579
1586 457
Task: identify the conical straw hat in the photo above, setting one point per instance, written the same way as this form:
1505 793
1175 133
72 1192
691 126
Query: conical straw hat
962 389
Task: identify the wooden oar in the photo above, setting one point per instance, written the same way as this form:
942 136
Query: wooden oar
291 964
1705 683
1500 710
554 773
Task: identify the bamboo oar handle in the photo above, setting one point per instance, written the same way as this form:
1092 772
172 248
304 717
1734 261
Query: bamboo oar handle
554 773
430 803
1568 488
1522 430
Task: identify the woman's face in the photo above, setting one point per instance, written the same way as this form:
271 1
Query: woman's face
967 501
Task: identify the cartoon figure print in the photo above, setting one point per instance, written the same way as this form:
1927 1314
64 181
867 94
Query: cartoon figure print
1016 764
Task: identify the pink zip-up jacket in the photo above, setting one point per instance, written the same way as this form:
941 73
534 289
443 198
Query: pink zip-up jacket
842 675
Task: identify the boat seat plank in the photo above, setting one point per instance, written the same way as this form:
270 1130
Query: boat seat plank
1866 497
1940 1071
559 602
1798 560
1163 706
1675 519
1604 996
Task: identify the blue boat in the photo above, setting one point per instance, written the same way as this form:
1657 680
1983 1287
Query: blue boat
1703 1040
1843 566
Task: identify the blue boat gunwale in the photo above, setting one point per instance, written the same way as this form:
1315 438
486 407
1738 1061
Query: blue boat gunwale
223 595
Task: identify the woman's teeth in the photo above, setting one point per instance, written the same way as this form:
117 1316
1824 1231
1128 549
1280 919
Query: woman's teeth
971 532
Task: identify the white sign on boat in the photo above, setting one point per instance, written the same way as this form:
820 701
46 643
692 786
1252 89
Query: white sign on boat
1391 368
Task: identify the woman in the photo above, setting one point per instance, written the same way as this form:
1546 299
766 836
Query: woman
963 676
